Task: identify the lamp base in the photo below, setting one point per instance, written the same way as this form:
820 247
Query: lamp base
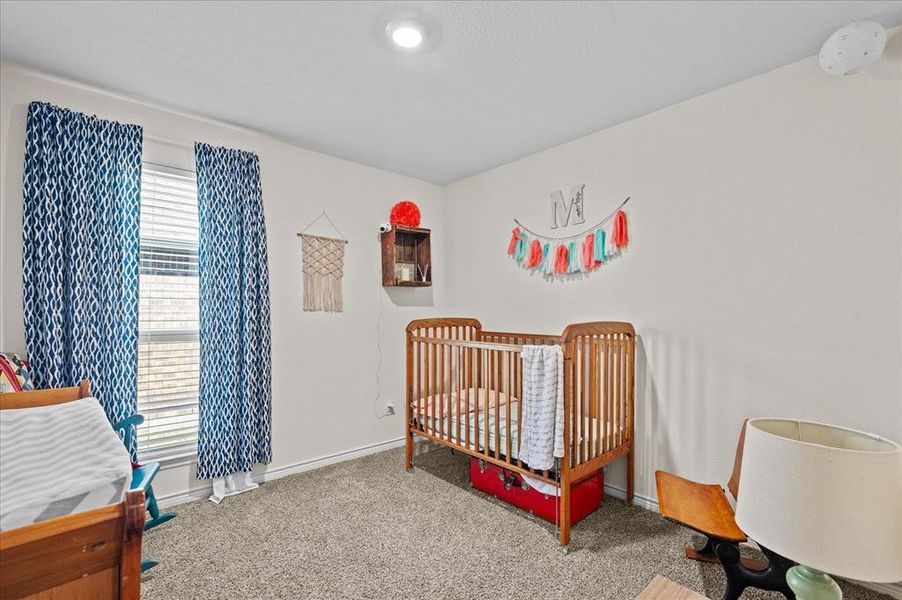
811 584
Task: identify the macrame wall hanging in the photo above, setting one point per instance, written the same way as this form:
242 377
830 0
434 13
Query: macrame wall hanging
322 264
567 255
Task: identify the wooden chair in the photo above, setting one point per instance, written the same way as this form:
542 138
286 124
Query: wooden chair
705 508
142 478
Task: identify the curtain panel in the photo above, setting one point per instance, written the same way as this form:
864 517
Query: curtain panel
235 382
81 189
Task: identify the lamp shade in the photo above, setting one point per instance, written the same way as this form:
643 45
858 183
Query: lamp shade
827 497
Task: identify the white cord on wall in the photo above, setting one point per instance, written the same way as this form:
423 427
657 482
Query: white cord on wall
387 411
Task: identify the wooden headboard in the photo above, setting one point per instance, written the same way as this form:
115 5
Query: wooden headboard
34 398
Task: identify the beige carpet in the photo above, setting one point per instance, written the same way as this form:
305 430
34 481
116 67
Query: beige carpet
368 529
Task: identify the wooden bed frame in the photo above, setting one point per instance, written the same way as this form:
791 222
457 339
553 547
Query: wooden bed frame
92 554
450 355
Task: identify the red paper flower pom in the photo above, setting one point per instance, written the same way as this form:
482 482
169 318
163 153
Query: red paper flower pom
406 214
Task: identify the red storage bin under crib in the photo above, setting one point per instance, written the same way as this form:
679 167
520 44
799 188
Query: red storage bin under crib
585 496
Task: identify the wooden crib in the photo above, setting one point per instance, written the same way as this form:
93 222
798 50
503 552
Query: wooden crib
463 386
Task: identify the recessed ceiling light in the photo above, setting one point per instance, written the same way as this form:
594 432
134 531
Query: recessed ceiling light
405 34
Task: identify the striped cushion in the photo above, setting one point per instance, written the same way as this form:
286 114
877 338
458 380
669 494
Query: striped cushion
14 375
57 460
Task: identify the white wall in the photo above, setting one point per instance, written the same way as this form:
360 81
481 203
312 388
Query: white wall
324 365
764 271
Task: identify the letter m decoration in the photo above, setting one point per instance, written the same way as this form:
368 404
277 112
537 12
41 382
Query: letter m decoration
570 214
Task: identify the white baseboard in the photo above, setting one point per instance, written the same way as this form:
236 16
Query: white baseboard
171 500
316 463
279 472
640 501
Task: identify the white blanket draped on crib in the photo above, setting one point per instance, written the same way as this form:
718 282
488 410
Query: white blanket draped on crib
542 426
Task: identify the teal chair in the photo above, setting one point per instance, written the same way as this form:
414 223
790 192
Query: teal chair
142 477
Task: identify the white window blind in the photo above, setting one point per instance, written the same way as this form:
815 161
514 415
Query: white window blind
168 346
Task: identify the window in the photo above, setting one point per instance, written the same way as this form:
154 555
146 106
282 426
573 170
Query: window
168 342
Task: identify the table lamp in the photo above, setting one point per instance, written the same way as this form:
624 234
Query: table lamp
828 498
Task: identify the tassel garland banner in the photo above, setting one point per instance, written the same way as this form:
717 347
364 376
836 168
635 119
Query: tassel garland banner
581 253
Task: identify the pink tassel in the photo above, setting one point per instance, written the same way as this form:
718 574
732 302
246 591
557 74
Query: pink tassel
515 237
562 259
589 252
620 234
535 255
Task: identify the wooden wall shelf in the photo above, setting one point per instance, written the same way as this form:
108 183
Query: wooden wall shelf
406 257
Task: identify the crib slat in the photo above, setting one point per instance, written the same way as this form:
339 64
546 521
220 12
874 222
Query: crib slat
604 408
424 383
509 381
604 380
518 392
466 394
626 390
631 391
421 396
462 392
569 454
486 374
599 376
472 387
446 385
456 382
611 351
604 414
621 389
611 389
443 383
433 385
594 382
496 384
585 376
591 409
621 397
617 346
586 379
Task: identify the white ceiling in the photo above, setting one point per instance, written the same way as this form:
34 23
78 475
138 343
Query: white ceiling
498 80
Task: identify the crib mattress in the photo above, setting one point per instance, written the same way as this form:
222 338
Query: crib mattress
57 460
447 427
477 426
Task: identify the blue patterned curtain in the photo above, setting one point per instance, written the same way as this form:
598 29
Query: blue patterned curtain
82 187
235 399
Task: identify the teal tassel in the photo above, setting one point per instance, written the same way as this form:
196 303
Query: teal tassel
522 245
544 258
600 255
574 259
